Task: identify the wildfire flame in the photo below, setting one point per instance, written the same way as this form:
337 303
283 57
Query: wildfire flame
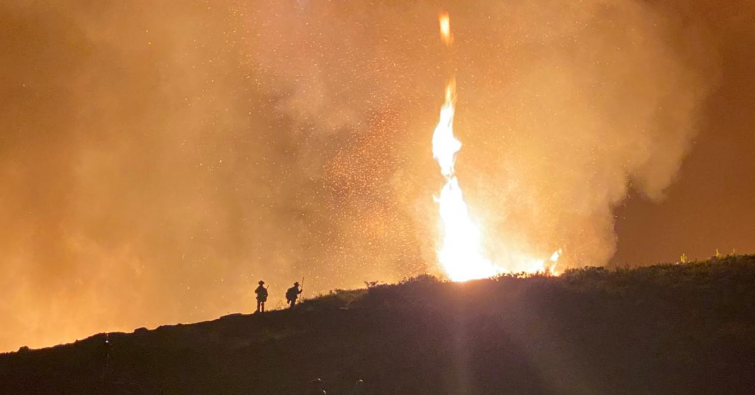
461 254
547 267
445 28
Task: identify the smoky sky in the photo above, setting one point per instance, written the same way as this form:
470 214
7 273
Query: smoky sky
158 158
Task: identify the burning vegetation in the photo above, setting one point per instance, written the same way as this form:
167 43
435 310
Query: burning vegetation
461 254
157 161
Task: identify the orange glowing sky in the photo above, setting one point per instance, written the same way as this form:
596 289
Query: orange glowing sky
158 158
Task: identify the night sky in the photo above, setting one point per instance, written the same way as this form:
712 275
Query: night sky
157 159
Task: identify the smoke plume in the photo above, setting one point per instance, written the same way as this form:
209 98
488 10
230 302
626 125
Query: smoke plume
158 158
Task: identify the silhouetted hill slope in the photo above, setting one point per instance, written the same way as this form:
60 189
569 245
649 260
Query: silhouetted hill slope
666 329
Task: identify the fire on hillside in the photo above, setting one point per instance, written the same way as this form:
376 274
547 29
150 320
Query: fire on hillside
461 254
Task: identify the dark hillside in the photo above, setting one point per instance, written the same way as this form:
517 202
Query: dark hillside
666 329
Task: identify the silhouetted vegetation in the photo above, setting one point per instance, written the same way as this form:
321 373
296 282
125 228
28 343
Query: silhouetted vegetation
666 329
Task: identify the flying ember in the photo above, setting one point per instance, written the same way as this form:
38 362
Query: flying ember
445 28
461 254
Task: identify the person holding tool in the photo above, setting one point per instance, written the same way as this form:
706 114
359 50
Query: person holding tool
293 294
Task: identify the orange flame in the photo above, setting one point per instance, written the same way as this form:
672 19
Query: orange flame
462 255
445 28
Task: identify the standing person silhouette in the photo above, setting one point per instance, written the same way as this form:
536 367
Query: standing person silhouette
261 292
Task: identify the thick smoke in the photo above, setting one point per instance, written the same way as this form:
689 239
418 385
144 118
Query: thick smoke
158 158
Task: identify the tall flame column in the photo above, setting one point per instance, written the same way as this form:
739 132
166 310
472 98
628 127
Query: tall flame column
461 254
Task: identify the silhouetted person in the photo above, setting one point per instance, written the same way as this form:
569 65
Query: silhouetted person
261 292
316 385
293 294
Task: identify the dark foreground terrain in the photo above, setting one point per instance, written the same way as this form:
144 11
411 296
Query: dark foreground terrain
666 329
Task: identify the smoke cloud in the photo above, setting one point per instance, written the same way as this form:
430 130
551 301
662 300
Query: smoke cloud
158 158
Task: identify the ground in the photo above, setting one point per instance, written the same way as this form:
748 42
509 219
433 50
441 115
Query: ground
665 329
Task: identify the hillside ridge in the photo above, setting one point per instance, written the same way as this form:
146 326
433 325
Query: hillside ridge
663 329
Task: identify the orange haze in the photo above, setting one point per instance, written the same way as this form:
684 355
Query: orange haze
157 158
